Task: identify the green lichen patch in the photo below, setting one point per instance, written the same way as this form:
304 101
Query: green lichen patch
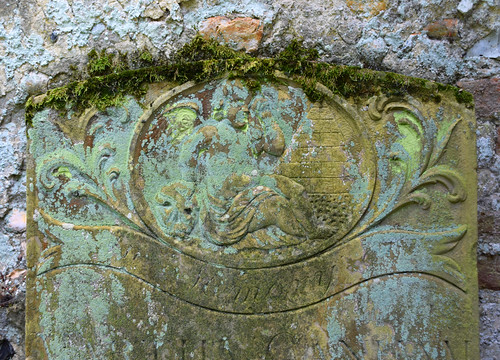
202 60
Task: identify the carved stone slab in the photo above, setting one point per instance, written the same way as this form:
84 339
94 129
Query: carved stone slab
208 221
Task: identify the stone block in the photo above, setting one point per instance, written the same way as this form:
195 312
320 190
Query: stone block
443 29
241 33
488 268
17 221
497 150
488 225
488 47
490 324
213 221
486 95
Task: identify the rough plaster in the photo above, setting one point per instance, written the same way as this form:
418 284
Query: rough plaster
42 42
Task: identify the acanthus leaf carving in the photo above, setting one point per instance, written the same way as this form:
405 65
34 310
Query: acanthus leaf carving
411 161
243 208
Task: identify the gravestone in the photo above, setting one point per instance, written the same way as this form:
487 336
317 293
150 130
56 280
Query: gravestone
213 220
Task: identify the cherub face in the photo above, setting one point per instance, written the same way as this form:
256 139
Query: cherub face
232 104
177 204
181 119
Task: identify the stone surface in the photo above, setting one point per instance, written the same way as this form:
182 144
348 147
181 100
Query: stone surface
446 28
487 95
241 33
489 271
340 30
17 221
465 6
490 326
487 47
208 221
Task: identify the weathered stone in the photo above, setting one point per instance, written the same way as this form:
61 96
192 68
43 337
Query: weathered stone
209 221
369 8
486 95
154 12
489 225
331 27
12 146
490 326
17 221
486 146
34 83
241 33
498 141
488 268
446 28
488 47
465 6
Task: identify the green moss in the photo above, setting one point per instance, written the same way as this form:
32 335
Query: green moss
463 97
146 56
202 49
200 60
99 63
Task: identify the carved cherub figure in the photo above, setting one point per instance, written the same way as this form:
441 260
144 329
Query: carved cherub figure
215 188
181 118
178 205
252 114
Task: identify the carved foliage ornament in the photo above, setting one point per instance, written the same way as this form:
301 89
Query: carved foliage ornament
247 180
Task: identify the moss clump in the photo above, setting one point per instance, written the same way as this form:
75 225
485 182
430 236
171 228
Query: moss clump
202 49
100 63
462 96
202 60
146 57
295 57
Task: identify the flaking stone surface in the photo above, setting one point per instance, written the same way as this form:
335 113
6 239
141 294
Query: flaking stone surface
208 221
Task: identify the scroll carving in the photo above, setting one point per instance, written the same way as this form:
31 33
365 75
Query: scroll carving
256 181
